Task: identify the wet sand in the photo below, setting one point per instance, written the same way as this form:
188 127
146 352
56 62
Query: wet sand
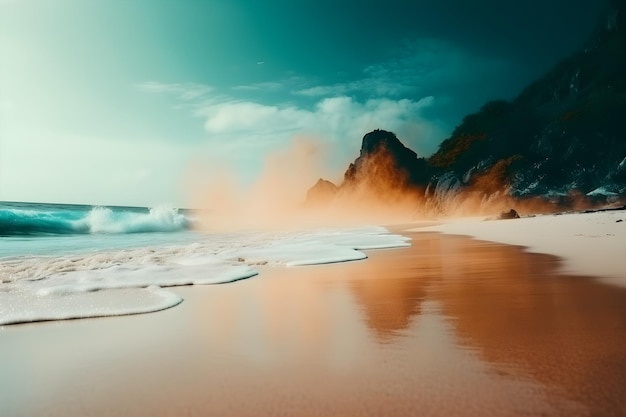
450 326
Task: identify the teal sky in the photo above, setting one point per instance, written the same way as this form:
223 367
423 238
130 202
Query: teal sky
131 101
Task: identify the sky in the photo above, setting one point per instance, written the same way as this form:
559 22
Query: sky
128 102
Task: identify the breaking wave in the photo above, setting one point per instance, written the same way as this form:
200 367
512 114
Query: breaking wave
15 221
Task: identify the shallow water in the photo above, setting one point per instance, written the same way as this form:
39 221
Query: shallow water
450 326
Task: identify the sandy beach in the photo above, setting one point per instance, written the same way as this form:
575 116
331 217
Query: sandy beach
448 326
590 243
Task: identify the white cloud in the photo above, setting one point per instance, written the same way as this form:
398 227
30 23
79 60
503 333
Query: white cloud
324 90
371 86
184 91
252 118
286 84
270 85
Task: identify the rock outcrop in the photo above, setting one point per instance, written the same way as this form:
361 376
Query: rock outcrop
508 215
385 162
384 169
321 193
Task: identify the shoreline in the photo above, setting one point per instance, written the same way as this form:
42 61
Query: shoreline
586 243
589 243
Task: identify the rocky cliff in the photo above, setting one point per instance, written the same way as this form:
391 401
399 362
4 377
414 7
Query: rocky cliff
565 132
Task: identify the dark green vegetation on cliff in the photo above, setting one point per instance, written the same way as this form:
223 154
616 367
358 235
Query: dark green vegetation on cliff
566 131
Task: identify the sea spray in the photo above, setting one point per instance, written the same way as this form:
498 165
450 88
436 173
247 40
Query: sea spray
105 220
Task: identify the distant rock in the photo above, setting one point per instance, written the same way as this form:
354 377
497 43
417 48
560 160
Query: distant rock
322 192
511 214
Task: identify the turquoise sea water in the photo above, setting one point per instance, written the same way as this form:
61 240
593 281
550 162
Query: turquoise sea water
55 229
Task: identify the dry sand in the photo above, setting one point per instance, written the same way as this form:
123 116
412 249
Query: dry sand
591 244
450 326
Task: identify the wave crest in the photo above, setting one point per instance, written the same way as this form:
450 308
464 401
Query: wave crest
98 220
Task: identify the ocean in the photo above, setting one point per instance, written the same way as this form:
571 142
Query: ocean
60 261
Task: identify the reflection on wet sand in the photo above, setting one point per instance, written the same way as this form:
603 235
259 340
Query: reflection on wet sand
566 332
391 292
450 326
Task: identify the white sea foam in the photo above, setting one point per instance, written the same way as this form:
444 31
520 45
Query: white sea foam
319 247
27 306
75 286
